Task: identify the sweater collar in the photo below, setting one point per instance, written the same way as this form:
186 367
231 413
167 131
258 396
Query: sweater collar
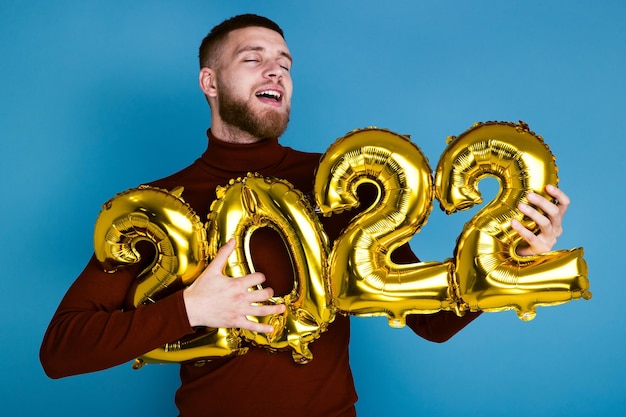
236 158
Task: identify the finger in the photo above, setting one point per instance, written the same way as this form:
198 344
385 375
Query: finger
551 224
261 311
542 203
250 280
526 234
260 295
256 327
558 194
222 255
532 243
542 221
562 200
266 310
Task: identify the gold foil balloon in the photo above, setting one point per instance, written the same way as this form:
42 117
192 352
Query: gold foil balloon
489 273
364 280
161 218
358 277
166 221
205 343
246 205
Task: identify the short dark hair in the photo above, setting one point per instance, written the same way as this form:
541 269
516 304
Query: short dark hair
210 46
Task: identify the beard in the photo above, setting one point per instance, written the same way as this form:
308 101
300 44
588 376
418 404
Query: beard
266 124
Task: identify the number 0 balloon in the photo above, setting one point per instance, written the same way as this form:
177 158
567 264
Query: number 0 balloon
250 203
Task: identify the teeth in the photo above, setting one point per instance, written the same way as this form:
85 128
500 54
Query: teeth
269 93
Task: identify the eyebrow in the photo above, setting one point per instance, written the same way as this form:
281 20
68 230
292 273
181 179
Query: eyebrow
249 48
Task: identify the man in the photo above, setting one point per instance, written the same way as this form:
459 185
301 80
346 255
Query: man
245 76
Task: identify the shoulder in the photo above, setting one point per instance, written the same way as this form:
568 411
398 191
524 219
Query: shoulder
298 167
294 156
176 178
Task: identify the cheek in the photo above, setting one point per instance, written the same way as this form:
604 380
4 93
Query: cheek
288 86
237 85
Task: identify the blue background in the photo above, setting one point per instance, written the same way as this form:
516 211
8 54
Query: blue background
98 97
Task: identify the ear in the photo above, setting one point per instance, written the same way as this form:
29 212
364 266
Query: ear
207 82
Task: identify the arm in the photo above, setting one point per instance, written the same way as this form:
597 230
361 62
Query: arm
443 325
92 330
438 327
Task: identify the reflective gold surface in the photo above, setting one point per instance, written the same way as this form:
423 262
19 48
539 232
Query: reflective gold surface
160 218
165 220
364 280
358 277
490 276
248 204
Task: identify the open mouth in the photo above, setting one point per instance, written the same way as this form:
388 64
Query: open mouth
272 95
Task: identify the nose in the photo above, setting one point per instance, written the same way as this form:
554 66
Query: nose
274 71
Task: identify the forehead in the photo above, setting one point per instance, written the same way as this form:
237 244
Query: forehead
258 38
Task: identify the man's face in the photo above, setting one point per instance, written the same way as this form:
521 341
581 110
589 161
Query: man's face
254 82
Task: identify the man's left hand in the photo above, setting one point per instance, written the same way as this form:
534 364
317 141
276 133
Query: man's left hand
550 222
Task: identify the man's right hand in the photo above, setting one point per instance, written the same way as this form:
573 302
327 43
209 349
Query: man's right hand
215 300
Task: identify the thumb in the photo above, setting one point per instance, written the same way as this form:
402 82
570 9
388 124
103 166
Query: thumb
222 255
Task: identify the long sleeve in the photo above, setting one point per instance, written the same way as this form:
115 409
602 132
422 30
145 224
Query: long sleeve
91 330
438 327
96 325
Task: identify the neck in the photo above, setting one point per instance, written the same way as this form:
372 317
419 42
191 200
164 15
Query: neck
234 159
232 134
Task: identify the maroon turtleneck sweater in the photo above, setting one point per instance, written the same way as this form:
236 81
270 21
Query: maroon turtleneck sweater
92 331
